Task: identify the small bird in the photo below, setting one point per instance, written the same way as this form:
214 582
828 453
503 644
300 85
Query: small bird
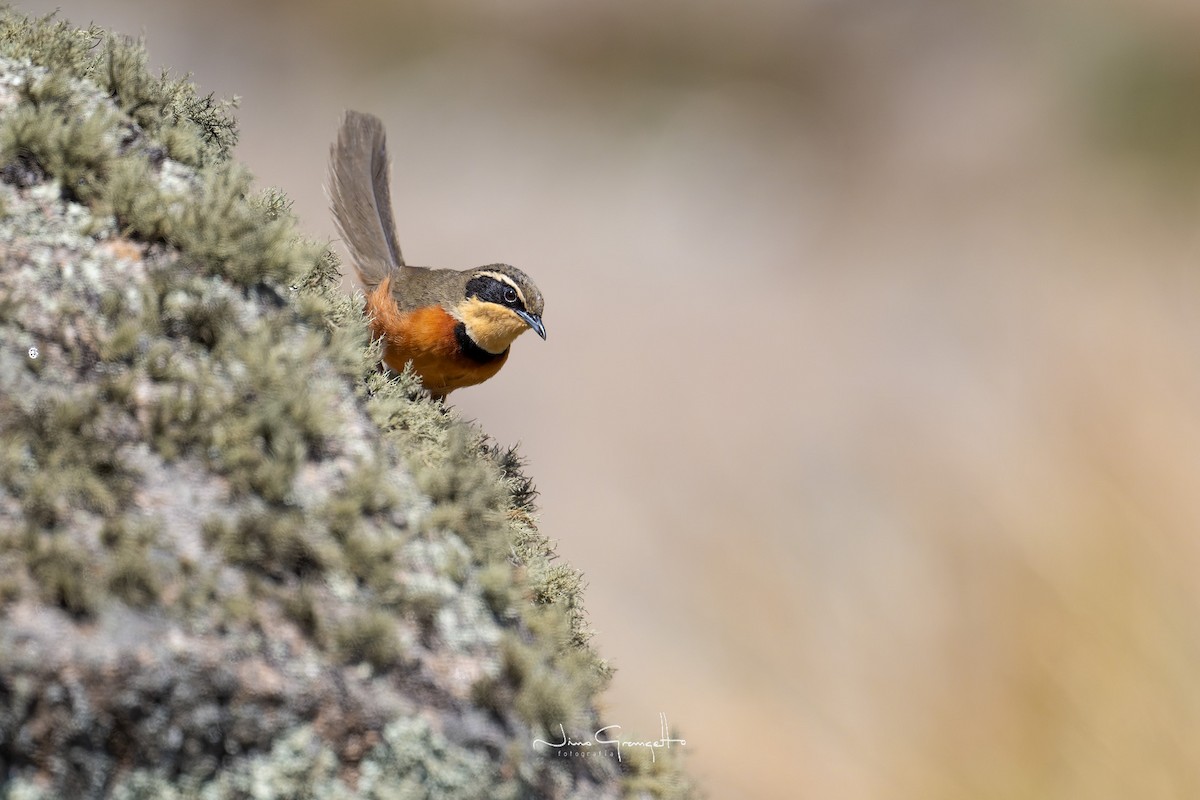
455 326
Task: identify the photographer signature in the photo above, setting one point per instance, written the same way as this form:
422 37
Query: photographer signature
610 735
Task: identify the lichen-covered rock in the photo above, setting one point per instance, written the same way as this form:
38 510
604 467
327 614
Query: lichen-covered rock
236 560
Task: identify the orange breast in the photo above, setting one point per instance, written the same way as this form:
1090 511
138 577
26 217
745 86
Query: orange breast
426 337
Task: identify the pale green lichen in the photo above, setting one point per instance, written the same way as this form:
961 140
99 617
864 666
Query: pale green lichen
206 436
410 762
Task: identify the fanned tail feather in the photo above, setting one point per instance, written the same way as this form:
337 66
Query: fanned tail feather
362 206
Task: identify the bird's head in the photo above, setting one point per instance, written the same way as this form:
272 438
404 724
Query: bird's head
500 304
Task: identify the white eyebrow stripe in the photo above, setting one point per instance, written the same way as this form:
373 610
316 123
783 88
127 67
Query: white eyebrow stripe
500 276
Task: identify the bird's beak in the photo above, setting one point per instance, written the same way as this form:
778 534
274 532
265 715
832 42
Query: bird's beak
534 322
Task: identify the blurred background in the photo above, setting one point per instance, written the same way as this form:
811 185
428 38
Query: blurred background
871 401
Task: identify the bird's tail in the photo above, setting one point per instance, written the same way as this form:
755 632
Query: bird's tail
362 206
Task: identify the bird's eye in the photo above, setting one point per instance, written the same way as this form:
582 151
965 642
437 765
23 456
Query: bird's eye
510 295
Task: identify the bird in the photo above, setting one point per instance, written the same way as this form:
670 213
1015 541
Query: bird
454 326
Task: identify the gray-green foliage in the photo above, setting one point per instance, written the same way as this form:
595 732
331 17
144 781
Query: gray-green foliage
411 762
190 328
196 129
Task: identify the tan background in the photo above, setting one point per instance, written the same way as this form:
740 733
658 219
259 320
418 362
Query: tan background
870 403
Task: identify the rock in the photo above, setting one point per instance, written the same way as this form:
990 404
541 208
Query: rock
236 559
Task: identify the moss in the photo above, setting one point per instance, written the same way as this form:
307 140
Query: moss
300 607
411 762
468 499
181 416
423 606
63 570
238 610
212 224
200 592
141 208
369 638
522 493
132 579
227 347
124 533
273 204
122 344
130 573
364 492
551 685
48 141
371 560
560 587
480 492
429 766
156 103
10 590
361 517
255 429
75 465
116 388
50 42
197 310
222 234
276 544
49 89
497 584
656 774
398 403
